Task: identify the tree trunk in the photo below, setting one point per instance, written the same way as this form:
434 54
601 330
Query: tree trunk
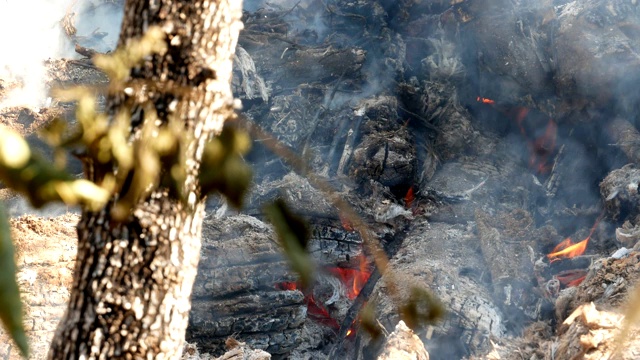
131 291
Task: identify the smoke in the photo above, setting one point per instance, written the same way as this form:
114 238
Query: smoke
32 33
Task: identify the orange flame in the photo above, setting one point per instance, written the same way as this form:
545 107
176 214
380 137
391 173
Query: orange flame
567 249
485 100
353 279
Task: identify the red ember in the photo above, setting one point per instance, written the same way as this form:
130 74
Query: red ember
485 100
409 197
541 146
353 279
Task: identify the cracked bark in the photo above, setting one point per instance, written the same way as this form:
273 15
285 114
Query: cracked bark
130 296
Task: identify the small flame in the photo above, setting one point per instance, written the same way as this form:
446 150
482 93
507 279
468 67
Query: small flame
485 100
567 249
349 332
353 279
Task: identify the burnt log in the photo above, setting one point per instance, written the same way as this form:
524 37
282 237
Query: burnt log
85 51
320 64
593 47
238 289
439 257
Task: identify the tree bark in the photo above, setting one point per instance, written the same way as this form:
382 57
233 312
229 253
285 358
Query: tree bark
130 296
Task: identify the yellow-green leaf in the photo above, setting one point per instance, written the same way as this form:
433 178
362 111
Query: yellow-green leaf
10 303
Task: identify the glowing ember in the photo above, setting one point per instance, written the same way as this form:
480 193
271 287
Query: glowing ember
320 314
346 224
409 197
287 285
353 279
577 281
571 278
485 100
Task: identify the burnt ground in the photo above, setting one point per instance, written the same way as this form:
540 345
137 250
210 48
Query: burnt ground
471 139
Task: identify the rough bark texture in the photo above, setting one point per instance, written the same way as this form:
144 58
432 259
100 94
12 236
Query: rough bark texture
133 279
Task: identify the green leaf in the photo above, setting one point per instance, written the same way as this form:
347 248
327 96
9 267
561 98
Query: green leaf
10 303
293 234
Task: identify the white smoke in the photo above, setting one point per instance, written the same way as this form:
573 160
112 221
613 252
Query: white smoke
31 32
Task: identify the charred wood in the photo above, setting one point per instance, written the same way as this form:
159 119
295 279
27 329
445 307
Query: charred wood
236 292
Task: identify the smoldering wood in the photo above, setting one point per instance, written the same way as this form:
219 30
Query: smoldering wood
607 283
619 191
430 257
427 135
238 289
577 262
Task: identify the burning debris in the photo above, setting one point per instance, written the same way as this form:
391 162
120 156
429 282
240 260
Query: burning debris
475 140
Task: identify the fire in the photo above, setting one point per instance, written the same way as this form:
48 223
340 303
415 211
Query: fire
353 279
485 100
346 224
567 249
287 285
